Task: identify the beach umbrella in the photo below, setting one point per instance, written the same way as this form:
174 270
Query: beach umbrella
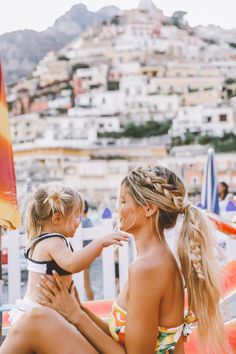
9 213
199 205
231 206
209 195
106 214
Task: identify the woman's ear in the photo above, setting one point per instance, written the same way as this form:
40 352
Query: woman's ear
56 219
150 209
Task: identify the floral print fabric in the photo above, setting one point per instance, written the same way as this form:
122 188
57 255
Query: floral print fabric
167 337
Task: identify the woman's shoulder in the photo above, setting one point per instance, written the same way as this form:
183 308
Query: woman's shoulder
148 266
149 275
158 264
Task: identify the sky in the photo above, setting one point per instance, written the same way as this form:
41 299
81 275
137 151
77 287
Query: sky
40 14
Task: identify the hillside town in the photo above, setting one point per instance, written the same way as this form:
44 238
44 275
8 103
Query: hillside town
139 88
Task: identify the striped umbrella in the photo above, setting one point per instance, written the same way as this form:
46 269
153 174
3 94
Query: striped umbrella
209 196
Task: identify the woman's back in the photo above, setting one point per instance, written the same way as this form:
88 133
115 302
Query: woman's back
161 267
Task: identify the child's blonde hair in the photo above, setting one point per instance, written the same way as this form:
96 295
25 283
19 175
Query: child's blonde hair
162 187
47 200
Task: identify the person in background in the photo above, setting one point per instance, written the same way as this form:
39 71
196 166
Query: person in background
224 198
86 223
223 190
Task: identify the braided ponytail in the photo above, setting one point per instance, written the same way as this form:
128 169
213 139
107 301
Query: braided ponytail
199 267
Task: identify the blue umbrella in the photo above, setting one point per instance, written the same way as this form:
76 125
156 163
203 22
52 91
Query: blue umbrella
199 205
106 214
231 206
210 197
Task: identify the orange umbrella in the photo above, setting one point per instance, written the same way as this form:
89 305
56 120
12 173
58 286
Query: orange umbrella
225 226
9 213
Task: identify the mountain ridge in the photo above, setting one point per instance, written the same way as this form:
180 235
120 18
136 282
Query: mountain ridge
21 50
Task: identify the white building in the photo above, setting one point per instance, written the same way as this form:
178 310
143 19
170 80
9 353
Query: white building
182 84
100 122
26 127
31 128
133 85
142 108
92 77
51 69
226 68
214 121
108 102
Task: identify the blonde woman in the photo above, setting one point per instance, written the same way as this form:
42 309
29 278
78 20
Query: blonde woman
148 315
54 213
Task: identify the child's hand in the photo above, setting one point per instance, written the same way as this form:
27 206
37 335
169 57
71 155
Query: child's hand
115 238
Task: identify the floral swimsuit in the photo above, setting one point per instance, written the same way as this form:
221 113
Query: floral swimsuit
167 337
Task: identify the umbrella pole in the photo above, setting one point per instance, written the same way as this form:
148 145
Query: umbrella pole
1 286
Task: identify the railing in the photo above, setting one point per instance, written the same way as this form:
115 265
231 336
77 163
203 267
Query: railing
108 260
15 242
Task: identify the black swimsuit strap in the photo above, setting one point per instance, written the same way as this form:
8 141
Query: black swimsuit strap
44 237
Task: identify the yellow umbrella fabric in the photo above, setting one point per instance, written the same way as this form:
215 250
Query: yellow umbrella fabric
9 212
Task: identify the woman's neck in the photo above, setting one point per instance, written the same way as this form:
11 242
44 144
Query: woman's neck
147 240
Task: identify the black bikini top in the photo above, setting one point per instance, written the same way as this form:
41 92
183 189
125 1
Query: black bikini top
45 267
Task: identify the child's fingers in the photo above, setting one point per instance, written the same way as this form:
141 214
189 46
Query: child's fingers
121 238
116 242
126 234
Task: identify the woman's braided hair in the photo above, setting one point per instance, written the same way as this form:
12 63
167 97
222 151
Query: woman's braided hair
162 187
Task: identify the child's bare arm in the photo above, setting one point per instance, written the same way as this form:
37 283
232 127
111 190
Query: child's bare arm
77 261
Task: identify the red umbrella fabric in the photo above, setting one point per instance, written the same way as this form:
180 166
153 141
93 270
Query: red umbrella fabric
9 212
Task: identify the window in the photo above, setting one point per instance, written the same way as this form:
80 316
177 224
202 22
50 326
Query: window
207 119
223 117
